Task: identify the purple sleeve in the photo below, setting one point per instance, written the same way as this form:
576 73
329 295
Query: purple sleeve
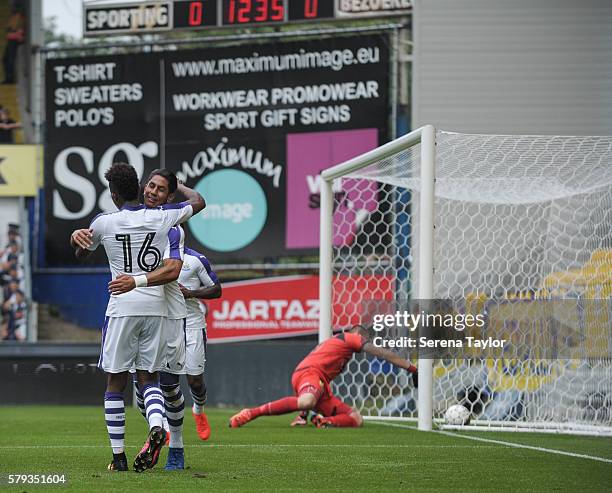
206 263
211 273
174 240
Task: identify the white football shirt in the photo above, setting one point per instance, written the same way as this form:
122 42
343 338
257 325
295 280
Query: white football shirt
175 250
134 239
196 272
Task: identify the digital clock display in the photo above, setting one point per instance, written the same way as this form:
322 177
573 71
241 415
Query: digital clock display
195 14
253 11
205 13
305 10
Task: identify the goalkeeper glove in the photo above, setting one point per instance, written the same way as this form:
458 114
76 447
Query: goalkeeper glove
415 376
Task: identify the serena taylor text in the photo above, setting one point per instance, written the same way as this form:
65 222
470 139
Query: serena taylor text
425 342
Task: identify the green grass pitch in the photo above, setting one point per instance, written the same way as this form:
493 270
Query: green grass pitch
268 455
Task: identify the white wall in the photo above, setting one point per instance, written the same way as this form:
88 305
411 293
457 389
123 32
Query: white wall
513 66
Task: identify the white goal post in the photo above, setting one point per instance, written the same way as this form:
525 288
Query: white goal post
426 137
499 225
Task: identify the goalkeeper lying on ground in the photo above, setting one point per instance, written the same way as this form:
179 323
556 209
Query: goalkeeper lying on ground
313 375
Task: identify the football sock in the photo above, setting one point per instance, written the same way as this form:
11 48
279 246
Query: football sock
154 405
139 398
281 406
342 420
114 414
174 403
199 399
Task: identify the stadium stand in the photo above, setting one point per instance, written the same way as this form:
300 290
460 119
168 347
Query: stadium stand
13 287
8 92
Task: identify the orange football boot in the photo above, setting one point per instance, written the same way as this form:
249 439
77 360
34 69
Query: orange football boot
240 419
202 426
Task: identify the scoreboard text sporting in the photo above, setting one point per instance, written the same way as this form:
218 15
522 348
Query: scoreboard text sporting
136 17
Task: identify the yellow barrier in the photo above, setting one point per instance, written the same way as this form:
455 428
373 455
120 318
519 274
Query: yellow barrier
18 170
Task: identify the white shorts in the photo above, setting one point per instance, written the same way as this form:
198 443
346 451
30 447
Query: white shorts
175 346
196 351
133 342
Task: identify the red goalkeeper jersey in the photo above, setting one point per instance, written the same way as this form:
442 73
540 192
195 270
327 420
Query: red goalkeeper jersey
330 357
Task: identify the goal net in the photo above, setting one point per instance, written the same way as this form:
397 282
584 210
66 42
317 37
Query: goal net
520 233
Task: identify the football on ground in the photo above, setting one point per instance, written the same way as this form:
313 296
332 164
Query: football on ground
457 415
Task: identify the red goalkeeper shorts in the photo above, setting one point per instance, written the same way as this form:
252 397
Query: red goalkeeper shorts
309 382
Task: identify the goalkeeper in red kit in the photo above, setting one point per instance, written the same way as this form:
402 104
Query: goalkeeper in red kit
311 382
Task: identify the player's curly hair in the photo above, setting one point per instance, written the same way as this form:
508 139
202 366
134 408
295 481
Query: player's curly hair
123 180
168 175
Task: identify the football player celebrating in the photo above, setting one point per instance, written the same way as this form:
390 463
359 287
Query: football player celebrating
164 183
134 238
311 382
197 280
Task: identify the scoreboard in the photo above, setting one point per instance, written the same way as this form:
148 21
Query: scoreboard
151 16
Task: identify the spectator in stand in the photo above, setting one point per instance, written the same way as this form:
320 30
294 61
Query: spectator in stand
9 274
13 303
12 251
7 262
10 288
15 310
7 305
7 126
13 234
15 35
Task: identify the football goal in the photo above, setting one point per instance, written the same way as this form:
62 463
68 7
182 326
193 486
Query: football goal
512 230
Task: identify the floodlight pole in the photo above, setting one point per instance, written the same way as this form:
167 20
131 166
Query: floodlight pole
425 263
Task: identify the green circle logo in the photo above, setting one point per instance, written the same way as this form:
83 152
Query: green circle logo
236 210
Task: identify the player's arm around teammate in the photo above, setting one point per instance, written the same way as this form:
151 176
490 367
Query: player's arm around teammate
193 197
133 335
156 193
168 272
81 239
